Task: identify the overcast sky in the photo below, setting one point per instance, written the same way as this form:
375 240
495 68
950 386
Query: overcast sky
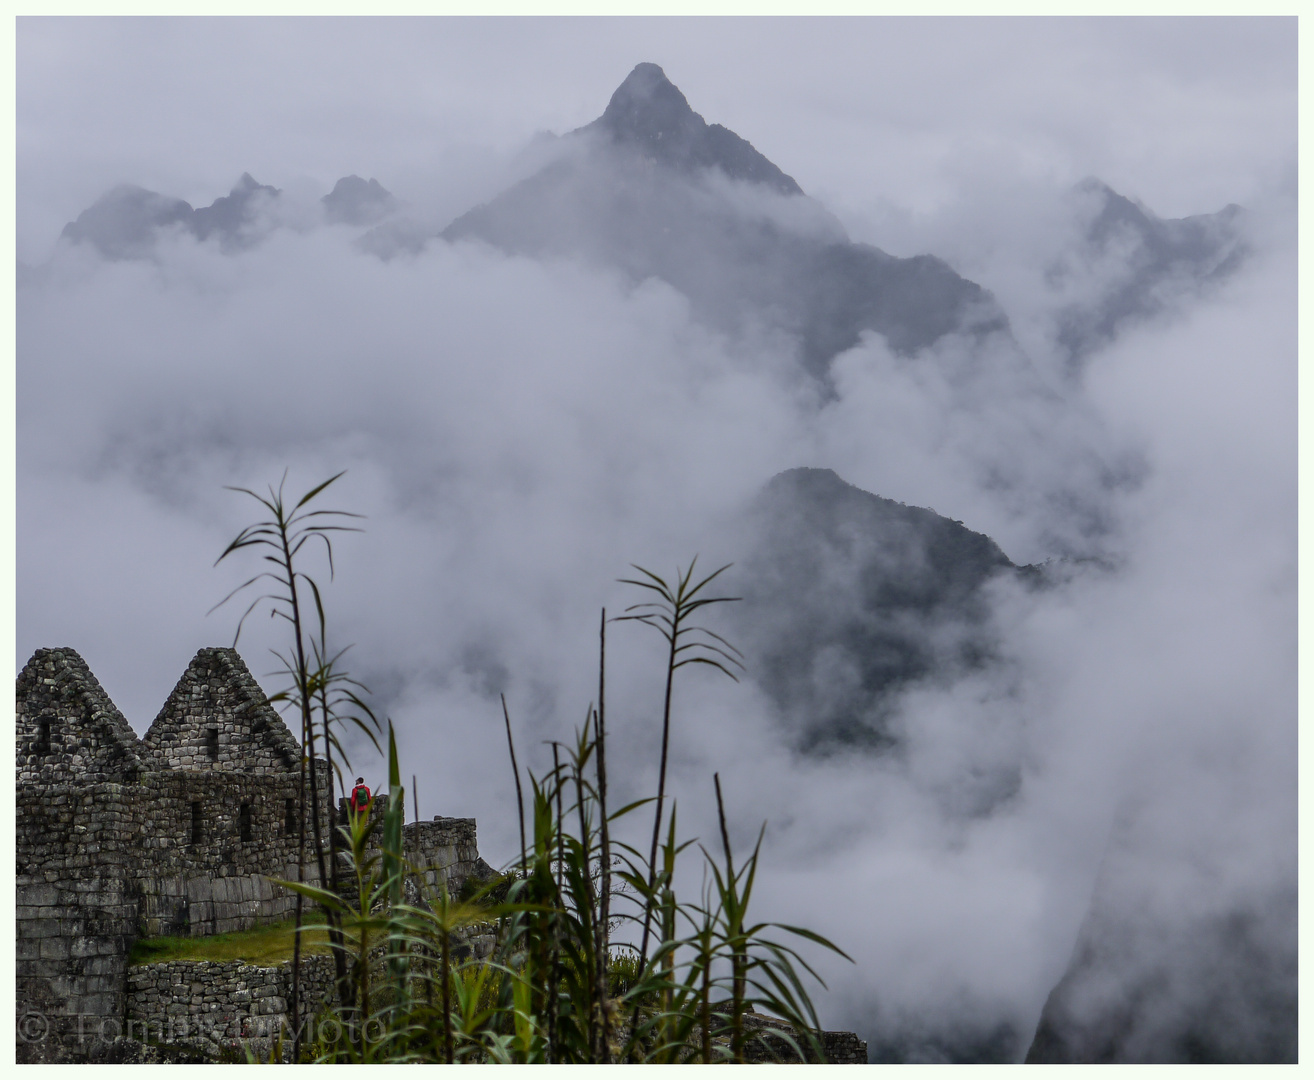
518 433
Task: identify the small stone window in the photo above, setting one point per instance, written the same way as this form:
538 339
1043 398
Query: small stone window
244 822
198 824
212 743
289 817
43 736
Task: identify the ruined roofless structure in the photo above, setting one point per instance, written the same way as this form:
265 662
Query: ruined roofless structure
177 833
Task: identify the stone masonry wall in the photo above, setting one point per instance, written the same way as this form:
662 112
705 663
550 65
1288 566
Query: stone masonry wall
217 884
226 1005
141 836
91 879
112 844
445 850
843 1048
71 958
76 908
764 1043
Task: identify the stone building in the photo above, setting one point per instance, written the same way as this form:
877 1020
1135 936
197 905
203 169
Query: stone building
178 833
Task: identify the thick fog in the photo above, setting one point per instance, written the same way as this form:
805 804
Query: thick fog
519 428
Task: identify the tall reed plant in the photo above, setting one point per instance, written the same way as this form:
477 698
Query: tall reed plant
317 683
562 983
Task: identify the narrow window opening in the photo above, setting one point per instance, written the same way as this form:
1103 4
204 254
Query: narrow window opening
198 825
290 817
43 736
244 822
212 742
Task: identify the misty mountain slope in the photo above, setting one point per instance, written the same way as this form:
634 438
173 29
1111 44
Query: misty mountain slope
1220 988
850 598
653 190
125 223
1138 264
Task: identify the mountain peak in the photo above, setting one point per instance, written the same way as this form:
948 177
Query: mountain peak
354 201
648 113
645 78
648 107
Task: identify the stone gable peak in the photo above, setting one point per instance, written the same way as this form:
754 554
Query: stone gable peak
66 726
218 719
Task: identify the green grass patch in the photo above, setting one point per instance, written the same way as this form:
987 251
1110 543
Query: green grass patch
266 945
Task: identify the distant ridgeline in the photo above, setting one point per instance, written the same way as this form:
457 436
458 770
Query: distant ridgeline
652 190
177 833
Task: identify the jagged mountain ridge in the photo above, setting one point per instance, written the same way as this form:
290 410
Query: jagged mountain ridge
124 223
637 190
651 189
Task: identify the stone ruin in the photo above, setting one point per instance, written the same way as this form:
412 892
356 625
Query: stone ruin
176 833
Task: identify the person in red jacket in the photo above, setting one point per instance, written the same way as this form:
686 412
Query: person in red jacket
360 796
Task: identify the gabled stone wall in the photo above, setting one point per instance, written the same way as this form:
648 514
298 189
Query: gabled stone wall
66 728
217 719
